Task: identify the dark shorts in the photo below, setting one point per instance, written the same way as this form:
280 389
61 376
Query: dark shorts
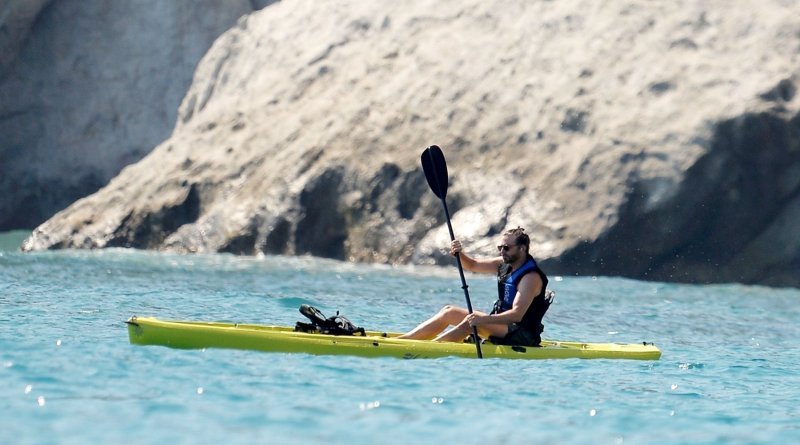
518 336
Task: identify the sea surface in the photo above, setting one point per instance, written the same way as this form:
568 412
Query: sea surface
728 375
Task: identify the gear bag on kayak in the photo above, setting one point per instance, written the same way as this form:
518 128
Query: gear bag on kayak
336 325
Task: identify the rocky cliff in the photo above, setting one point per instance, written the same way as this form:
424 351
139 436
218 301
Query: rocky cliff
16 18
651 140
90 86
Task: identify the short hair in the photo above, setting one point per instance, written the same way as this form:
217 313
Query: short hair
520 237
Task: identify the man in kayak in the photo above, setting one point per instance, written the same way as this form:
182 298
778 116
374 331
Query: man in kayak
521 304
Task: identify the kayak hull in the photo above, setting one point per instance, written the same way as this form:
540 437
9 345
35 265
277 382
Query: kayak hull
200 335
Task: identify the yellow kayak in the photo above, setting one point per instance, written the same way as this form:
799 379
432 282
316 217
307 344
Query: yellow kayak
198 335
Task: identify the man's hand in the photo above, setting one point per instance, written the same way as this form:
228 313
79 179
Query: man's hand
476 320
455 247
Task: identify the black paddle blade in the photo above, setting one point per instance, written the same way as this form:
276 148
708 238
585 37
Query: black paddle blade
435 168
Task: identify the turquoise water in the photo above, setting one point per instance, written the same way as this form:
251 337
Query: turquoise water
10 241
728 374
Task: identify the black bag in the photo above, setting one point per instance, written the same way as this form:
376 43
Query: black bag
336 325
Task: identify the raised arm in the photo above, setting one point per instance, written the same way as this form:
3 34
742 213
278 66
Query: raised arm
480 265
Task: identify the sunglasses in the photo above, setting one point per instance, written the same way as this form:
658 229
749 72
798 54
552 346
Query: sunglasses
505 247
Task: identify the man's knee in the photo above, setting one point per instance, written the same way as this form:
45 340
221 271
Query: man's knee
452 314
448 309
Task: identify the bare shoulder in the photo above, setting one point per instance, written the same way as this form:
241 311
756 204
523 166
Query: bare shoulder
532 281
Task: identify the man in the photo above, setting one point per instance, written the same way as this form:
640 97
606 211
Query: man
522 300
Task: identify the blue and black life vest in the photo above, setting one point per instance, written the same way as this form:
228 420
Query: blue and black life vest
507 283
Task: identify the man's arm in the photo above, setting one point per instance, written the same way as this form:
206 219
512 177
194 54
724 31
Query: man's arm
480 265
529 287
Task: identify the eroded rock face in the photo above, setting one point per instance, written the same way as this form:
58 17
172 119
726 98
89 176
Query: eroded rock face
90 86
734 217
646 140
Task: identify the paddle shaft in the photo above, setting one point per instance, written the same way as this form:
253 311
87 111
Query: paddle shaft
463 280
435 168
458 258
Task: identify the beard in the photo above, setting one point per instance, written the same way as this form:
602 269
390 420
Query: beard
509 259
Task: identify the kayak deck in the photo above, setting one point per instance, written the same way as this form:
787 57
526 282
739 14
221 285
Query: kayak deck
199 335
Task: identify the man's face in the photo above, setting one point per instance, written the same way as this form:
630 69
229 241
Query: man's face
509 249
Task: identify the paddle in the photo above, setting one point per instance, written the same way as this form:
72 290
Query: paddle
435 168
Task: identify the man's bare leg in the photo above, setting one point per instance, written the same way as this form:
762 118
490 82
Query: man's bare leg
462 330
447 316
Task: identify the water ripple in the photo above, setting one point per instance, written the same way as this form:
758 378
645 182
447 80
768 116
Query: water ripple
727 375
